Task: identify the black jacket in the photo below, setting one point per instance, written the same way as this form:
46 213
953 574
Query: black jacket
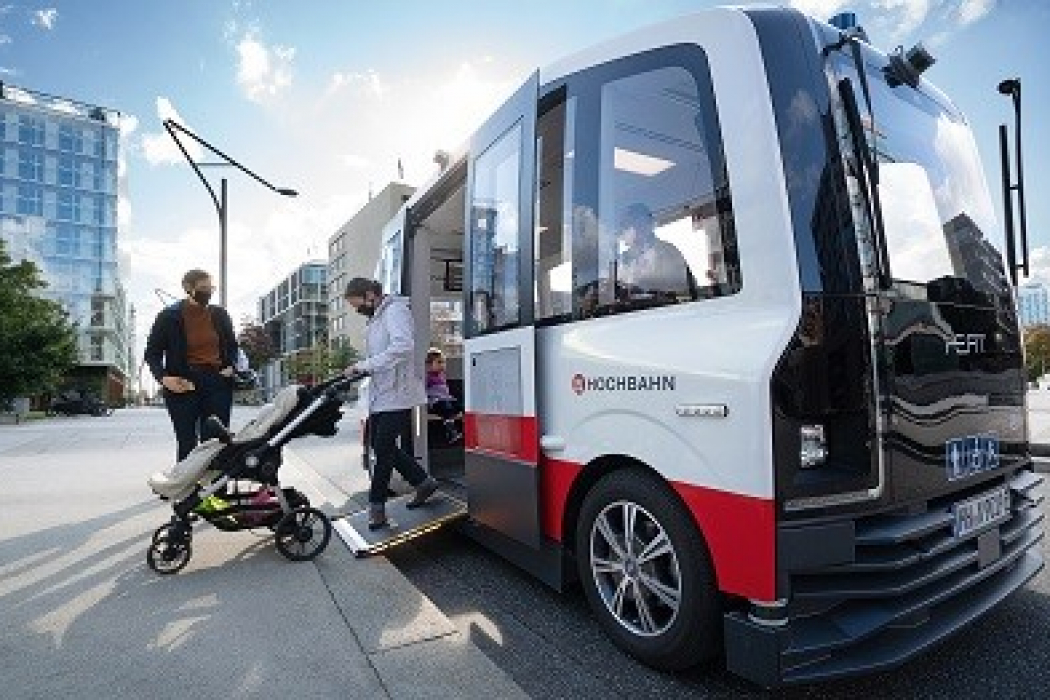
166 345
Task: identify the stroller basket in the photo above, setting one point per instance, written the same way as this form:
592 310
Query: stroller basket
245 510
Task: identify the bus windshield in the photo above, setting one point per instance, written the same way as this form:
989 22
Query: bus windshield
937 213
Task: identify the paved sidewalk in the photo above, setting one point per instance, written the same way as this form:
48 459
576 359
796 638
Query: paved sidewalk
82 616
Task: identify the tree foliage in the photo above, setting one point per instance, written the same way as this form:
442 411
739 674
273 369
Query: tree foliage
37 343
1037 350
319 362
256 343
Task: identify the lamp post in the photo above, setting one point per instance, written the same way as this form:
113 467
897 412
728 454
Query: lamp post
1012 87
219 200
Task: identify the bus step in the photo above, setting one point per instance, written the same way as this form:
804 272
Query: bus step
404 524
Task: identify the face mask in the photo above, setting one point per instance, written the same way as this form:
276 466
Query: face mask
201 297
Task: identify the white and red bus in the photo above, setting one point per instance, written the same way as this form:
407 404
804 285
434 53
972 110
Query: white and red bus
724 302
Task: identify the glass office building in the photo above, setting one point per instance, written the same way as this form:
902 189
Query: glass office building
295 316
58 208
1033 304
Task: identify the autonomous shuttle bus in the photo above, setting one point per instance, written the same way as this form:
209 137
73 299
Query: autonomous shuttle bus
724 303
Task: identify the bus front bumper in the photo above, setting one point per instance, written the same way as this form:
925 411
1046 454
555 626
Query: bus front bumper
901 583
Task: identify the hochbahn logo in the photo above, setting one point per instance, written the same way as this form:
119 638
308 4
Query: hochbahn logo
615 382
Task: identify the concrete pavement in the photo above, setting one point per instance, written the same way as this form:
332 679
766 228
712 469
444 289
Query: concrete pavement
82 616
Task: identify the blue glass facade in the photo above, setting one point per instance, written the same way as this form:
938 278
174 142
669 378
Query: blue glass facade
58 208
1033 304
295 315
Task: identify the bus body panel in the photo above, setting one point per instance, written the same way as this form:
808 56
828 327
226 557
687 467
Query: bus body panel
695 392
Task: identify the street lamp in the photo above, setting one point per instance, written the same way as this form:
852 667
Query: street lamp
1012 87
165 296
219 200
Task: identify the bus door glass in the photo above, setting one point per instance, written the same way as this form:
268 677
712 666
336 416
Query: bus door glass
499 364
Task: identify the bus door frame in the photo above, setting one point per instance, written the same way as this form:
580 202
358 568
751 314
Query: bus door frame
501 425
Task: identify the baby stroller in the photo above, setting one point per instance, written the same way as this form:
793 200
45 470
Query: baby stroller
232 481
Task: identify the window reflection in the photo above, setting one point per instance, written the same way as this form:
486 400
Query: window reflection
663 232
938 214
494 234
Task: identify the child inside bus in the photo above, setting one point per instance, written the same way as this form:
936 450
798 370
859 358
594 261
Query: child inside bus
440 400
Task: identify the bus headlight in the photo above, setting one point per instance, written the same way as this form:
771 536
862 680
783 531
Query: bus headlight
814 447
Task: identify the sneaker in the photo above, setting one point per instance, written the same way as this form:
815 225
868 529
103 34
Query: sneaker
377 516
424 491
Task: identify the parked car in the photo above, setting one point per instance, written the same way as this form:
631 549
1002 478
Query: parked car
74 403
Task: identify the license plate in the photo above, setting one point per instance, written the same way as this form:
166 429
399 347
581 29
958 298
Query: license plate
981 512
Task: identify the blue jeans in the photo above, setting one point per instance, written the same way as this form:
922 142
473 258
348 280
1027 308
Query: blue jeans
212 396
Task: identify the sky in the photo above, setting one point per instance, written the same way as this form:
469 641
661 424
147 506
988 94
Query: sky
326 96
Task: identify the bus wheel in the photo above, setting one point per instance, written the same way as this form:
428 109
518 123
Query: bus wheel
646 572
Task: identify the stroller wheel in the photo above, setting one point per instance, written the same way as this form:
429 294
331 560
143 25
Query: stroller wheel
172 531
303 534
168 555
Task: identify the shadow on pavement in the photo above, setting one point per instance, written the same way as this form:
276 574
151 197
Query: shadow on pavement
82 615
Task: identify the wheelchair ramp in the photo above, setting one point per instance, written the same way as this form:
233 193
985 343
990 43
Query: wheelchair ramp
405 524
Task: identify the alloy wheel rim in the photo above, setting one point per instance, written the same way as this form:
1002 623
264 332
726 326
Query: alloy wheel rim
635 568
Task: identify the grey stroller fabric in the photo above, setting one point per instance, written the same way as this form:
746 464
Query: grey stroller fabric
179 481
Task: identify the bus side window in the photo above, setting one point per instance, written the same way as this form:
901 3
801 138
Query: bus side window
553 241
664 231
494 247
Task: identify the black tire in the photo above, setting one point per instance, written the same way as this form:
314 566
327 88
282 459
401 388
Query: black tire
669 605
168 555
302 534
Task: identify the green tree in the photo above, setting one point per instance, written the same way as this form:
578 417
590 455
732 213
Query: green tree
319 362
343 354
256 342
1037 351
37 343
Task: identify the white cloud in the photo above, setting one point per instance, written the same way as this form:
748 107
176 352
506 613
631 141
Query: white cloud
900 18
368 83
4 39
159 148
1039 265
821 9
972 10
128 125
907 15
45 18
262 71
354 161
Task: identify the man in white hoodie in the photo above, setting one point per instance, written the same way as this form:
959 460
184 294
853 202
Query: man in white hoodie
396 388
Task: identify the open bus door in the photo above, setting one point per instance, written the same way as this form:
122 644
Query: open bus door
500 425
394 273
502 442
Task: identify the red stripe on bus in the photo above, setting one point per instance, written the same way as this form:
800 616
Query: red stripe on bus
739 530
509 436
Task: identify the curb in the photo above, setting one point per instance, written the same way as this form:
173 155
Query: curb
395 626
